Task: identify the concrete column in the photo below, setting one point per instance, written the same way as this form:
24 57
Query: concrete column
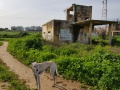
110 34
90 32
53 31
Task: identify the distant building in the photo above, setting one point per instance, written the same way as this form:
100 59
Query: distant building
18 28
27 28
33 28
38 28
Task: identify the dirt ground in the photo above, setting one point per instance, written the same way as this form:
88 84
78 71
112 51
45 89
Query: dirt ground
25 73
4 85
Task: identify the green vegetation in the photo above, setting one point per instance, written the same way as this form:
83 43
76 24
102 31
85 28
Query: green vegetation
1 43
96 40
9 32
97 65
12 34
116 40
11 78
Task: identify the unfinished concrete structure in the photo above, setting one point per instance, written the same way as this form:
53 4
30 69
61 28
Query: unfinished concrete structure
77 13
78 26
57 30
88 26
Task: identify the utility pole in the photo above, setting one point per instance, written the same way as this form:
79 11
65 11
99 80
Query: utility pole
104 10
104 14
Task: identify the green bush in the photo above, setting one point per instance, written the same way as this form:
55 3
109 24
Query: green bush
99 41
67 51
33 42
116 41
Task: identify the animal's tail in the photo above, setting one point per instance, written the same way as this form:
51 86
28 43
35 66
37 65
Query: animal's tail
57 73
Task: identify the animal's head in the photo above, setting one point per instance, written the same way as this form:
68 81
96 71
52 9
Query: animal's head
34 65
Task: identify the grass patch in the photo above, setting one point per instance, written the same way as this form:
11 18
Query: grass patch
11 78
1 43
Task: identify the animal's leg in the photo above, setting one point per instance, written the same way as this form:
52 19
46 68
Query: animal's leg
52 71
54 80
38 82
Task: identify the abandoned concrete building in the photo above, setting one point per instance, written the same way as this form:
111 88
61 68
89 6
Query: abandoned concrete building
77 27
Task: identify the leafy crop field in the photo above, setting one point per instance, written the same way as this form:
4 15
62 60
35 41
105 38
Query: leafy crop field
11 78
97 65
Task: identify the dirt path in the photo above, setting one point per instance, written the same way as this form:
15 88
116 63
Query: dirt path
25 73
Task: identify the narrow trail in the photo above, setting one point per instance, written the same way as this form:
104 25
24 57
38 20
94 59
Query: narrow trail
25 73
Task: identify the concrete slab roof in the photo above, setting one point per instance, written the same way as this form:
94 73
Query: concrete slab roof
95 22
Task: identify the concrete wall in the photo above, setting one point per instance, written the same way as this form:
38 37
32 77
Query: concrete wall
57 30
83 35
77 13
48 31
83 12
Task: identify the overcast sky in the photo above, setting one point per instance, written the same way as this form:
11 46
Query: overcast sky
37 12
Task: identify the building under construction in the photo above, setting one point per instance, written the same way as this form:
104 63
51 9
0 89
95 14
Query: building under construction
78 26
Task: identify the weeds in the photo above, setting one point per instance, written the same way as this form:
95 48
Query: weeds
11 78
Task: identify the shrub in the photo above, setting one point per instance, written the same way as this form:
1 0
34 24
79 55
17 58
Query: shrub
116 41
34 41
67 51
